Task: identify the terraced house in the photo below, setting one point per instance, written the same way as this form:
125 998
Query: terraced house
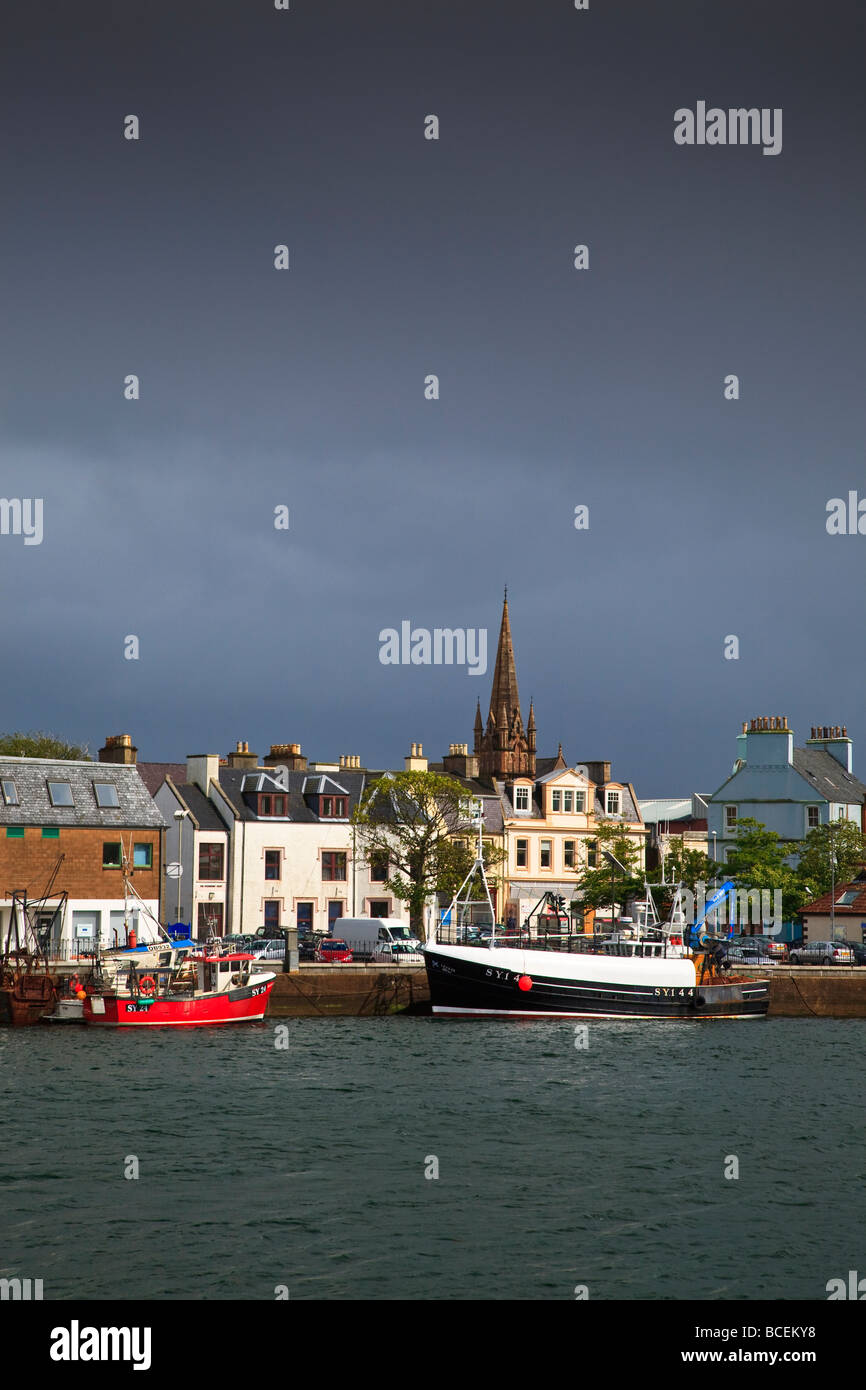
267 844
70 830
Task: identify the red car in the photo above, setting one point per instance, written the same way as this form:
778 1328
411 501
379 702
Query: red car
333 950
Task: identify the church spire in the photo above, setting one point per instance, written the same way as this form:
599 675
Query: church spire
504 690
503 748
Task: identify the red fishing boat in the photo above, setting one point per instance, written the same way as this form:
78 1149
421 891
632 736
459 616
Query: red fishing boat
186 992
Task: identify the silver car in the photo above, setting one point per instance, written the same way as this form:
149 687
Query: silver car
822 953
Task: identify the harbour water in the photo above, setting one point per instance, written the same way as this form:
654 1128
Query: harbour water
303 1168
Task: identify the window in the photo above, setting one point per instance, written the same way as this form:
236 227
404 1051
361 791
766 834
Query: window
556 801
15 832
378 868
333 866
335 912
304 918
50 832
272 863
10 793
812 814
210 919
60 794
545 854
332 807
379 908
521 798
846 899
210 861
567 799
568 853
112 855
579 801
272 805
522 851
591 854
272 913
730 817
613 803
106 794
142 856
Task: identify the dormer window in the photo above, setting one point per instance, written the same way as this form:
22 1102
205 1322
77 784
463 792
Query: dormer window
556 801
332 807
521 798
613 803
272 805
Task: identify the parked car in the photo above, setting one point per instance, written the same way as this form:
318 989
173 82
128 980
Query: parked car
332 949
752 954
308 945
397 953
264 948
823 953
858 952
773 946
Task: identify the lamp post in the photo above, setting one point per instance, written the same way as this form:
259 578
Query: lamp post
180 817
832 885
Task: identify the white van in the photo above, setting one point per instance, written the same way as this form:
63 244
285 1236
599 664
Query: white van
363 934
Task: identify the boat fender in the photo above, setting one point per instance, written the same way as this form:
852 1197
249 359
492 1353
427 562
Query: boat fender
524 982
699 1001
147 986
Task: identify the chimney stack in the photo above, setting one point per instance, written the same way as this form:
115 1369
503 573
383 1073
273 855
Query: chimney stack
118 749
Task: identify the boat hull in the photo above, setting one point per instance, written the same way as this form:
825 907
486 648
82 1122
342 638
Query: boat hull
247 1004
471 982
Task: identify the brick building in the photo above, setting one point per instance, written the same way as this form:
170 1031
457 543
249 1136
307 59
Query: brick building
73 827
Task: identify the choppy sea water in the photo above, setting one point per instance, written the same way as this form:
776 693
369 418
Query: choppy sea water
304 1166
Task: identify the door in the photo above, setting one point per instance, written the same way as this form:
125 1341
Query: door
335 912
305 918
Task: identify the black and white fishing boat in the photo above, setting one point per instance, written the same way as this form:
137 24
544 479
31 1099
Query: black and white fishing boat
643 971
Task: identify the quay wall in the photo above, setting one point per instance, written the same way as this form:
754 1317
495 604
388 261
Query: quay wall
345 991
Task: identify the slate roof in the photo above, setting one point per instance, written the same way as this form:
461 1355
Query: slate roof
154 774
136 810
206 815
827 775
232 782
814 767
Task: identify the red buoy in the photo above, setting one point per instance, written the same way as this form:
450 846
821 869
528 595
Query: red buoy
525 982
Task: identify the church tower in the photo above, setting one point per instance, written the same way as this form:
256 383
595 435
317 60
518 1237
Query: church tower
503 748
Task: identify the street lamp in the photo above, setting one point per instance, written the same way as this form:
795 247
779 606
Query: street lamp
832 885
180 817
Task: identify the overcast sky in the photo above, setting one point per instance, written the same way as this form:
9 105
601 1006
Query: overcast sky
409 256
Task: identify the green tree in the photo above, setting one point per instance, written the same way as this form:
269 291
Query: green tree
421 822
38 744
758 861
841 839
595 884
686 866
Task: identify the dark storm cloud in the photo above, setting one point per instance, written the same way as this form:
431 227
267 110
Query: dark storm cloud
411 257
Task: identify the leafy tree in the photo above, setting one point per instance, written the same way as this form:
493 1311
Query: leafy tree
687 866
38 744
415 819
758 861
841 839
596 883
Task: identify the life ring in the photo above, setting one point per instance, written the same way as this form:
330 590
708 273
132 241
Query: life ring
147 986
